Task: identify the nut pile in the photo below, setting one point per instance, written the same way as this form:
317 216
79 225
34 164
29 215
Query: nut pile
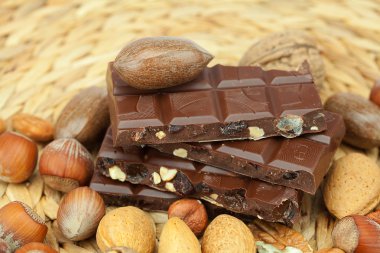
351 190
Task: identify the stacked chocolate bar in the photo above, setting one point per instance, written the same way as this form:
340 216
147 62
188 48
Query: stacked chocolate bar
242 139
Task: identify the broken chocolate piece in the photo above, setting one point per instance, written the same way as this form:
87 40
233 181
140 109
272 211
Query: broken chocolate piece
235 193
299 163
223 103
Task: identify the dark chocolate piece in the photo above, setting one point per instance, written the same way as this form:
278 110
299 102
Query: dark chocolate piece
223 103
117 193
235 193
299 163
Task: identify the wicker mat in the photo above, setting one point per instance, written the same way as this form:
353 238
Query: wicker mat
49 50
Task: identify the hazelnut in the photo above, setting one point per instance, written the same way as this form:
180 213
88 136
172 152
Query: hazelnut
79 213
36 247
34 127
2 126
127 227
375 216
375 93
192 212
357 233
66 164
4 247
18 157
20 225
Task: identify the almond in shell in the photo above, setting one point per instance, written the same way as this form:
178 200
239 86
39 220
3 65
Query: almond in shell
85 117
160 62
176 236
228 234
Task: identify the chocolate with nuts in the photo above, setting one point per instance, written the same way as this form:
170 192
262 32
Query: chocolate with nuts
164 172
299 163
116 193
223 103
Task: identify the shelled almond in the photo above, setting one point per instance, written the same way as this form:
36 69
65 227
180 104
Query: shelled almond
34 127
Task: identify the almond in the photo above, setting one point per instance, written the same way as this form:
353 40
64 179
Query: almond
228 234
85 117
127 227
361 118
177 237
34 127
352 186
160 62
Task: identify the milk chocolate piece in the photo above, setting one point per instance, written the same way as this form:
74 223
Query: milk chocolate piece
223 103
299 163
226 189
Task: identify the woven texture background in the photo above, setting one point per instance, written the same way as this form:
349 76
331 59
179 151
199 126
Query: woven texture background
49 50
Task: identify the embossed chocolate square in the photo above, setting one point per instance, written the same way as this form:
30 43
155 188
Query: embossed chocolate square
223 103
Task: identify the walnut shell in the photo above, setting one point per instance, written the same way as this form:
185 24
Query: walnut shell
286 51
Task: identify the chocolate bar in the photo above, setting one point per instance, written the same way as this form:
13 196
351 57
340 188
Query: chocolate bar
164 172
299 163
116 193
223 103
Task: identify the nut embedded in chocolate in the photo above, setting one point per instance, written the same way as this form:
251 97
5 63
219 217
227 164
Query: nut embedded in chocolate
290 125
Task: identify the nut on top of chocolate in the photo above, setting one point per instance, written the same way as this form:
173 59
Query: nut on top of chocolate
160 62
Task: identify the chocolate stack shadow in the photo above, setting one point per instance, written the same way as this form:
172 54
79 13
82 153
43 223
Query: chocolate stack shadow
202 139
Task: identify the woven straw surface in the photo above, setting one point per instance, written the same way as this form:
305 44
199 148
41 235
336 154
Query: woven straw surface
51 49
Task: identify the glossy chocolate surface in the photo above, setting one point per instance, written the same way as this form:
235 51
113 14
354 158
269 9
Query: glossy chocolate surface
235 193
223 103
299 163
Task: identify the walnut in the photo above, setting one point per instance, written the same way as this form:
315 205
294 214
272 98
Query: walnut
286 51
